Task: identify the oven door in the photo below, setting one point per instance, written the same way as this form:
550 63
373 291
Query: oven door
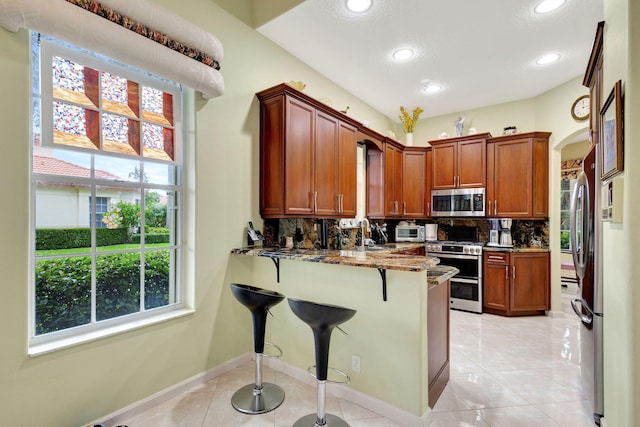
466 286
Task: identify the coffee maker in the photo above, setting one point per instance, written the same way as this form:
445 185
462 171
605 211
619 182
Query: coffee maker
500 233
505 232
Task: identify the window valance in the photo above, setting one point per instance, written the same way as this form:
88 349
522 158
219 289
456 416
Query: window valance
139 33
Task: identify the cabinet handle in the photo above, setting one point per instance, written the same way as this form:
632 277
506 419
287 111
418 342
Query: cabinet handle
495 257
404 208
495 207
342 203
514 272
338 202
489 207
506 272
315 201
429 208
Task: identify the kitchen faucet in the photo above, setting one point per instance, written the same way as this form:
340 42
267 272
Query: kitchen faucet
362 221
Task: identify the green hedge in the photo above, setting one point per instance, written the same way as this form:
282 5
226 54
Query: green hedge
152 238
66 238
63 288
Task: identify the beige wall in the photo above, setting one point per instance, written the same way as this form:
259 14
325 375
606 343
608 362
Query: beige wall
77 385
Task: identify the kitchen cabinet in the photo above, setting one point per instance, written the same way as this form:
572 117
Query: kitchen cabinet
438 330
518 176
397 181
307 157
414 180
516 283
459 162
393 197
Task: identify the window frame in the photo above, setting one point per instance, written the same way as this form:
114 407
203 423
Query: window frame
44 343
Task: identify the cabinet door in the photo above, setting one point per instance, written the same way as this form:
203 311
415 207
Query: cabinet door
299 158
272 141
393 181
375 183
472 163
347 168
540 177
530 282
326 165
496 283
445 159
512 178
413 188
429 178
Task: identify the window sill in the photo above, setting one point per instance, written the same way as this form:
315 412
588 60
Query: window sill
45 348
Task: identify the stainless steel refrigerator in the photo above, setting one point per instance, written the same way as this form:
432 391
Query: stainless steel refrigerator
586 247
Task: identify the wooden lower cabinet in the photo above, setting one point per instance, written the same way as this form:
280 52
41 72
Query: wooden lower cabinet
516 283
438 339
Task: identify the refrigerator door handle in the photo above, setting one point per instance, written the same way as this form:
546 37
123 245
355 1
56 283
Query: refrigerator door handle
587 319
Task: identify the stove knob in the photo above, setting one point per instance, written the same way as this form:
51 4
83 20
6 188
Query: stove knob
465 250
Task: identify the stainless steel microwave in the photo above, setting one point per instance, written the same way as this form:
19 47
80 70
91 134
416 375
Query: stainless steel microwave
458 202
410 233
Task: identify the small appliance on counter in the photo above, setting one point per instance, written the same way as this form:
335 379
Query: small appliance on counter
253 235
430 232
410 233
500 233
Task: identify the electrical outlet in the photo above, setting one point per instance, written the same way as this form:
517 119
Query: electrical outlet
355 363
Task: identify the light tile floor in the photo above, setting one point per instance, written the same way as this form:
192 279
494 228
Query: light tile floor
505 372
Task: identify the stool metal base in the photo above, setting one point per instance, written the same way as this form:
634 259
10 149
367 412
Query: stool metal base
310 421
246 401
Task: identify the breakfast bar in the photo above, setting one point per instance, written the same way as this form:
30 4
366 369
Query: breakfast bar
401 344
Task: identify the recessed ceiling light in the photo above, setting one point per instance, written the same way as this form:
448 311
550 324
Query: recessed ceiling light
402 54
358 6
547 59
432 88
547 6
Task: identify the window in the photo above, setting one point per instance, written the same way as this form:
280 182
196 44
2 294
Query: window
106 137
101 208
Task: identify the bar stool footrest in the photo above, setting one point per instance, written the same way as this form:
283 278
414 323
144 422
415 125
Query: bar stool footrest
312 369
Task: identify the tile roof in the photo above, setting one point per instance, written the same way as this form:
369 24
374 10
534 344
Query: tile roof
50 165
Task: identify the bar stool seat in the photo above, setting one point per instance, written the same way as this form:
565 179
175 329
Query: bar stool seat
259 397
322 319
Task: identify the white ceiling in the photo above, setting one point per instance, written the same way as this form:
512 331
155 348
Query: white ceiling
482 52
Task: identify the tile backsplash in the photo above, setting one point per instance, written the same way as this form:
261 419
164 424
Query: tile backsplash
276 231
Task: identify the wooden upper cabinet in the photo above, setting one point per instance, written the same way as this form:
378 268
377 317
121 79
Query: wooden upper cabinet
414 176
393 157
347 170
375 183
300 158
459 162
326 165
307 157
518 176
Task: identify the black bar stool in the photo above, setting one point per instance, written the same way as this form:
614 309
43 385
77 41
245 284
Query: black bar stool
321 318
260 397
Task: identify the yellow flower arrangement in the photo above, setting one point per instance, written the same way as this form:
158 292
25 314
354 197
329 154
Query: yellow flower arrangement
409 121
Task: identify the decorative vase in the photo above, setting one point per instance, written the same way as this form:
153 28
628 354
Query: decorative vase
409 140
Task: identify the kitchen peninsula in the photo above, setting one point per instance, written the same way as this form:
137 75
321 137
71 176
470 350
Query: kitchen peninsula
402 343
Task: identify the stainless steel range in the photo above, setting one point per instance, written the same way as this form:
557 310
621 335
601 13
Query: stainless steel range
466 286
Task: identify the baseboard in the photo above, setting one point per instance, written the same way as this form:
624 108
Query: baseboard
391 412
385 409
558 314
130 411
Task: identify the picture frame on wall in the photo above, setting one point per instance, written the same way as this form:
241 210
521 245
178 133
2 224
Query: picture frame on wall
612 133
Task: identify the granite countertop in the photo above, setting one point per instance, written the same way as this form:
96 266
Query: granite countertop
383 258
500 249
440 273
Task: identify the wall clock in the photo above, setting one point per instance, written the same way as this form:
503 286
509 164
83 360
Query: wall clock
581 108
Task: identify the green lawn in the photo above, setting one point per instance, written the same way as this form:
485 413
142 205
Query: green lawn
86 251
